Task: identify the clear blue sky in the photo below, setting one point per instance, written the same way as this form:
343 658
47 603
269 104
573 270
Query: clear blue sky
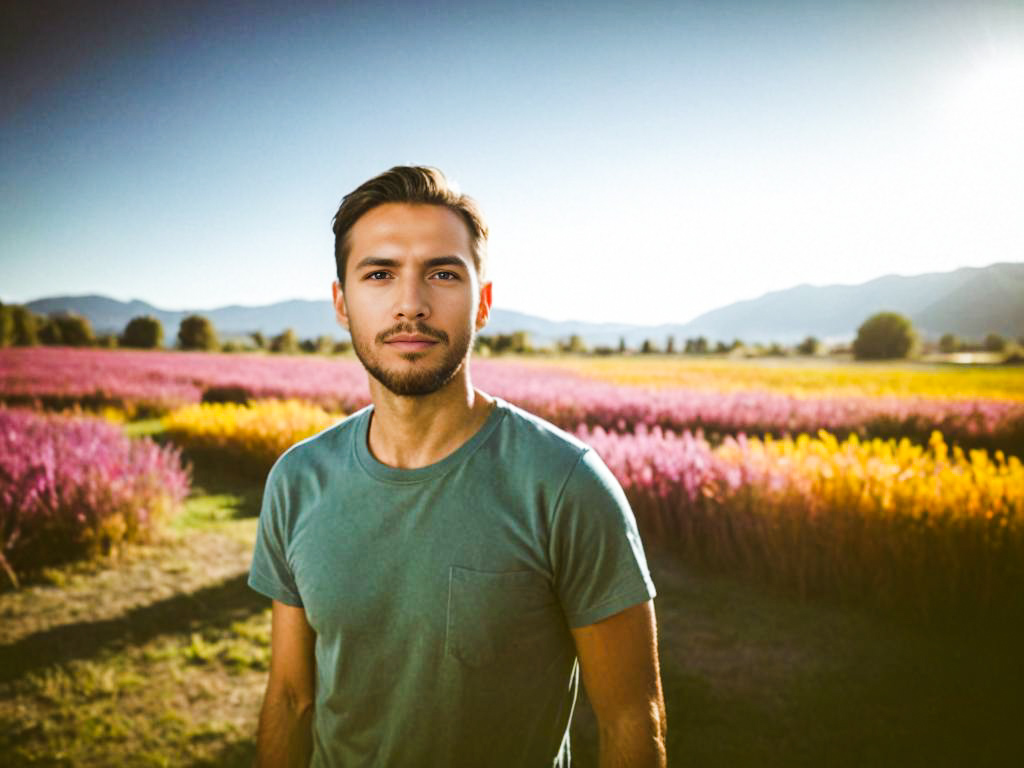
637 163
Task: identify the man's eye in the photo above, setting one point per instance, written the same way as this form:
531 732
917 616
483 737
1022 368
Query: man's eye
445 275
378 275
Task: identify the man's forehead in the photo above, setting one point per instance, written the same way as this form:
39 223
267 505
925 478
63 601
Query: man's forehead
406 222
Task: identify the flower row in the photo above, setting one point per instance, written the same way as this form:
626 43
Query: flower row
71 487
160 381
806 377
881 520
254 435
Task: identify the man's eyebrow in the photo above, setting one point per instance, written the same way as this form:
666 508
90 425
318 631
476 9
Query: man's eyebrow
435 261
376 261
445 261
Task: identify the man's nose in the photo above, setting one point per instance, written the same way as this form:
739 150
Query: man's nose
412 301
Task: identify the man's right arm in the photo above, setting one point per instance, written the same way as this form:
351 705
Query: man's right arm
285 737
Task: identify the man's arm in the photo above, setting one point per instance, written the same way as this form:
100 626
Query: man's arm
619 661
285 737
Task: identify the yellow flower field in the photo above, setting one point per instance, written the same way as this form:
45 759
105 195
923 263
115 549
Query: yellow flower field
804 377
256 433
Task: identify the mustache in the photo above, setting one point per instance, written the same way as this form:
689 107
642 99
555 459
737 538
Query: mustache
419 328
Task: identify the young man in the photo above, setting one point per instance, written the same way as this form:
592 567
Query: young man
442 564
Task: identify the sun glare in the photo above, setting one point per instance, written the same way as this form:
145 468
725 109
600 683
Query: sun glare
988 99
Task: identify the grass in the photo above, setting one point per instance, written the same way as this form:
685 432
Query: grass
160 659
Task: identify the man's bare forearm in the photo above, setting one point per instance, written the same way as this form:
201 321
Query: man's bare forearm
636 744
285 736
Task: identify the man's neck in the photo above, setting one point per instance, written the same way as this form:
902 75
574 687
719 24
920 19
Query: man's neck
414 432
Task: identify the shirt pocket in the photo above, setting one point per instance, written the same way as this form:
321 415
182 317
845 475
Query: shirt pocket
499 616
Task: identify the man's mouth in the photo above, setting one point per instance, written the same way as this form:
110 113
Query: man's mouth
410 342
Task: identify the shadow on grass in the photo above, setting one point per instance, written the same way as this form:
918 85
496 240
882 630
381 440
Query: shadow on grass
216 474
756 677
218 605
239 754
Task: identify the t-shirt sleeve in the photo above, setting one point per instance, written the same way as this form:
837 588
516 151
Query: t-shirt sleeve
270 574
597 557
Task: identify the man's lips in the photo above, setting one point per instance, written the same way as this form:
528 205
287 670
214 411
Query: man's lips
410 342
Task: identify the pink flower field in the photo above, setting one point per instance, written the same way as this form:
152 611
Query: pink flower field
156 382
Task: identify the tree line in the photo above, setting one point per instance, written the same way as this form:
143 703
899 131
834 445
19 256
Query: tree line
883 336
20 327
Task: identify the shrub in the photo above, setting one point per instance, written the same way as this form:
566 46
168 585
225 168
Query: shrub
948 343
73 486
884 336
197 332
227 394
143 332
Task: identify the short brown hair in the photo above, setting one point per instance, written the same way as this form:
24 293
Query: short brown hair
416 184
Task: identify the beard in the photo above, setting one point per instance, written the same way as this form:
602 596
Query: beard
423 380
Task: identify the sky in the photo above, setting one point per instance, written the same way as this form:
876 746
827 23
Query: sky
638 163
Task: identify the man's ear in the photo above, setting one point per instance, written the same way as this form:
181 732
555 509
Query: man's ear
340 310
483 312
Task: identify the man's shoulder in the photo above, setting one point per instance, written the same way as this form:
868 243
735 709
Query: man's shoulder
532 428
538 439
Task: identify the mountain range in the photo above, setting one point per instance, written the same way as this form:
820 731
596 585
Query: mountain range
970 302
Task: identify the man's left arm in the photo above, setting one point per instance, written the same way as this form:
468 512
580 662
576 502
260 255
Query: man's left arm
619 663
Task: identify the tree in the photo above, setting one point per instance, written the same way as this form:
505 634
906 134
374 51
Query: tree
884 336
285 343
72 330
697 346
670 345
809 346
948 343
197 332
324 344
995 343
143 332
575 345
18 326
647 347
622 345
49 332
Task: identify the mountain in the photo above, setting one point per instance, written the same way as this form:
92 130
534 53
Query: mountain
969 302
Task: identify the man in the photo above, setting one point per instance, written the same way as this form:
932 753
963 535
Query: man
439 560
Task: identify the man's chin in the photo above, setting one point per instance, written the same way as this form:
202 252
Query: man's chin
414 383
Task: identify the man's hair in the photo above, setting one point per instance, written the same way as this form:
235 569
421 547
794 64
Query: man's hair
408 184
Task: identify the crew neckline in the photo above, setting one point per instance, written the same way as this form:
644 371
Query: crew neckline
380 471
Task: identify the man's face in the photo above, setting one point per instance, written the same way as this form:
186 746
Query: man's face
412 298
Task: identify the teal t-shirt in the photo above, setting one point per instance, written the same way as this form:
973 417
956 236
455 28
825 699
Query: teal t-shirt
442 597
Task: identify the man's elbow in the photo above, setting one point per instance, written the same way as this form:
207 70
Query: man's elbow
296 700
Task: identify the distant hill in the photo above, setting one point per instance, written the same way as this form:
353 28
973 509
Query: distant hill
969 302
